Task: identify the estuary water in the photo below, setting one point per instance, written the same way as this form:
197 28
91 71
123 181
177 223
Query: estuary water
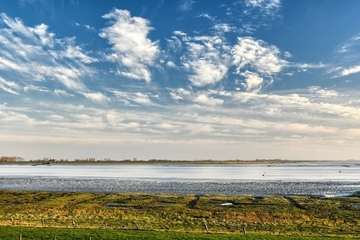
305 178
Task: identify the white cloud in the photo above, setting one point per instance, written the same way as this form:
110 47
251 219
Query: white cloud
37 35
350 70
305 66
33 54
342 72
276 116
141 98
209 101
96 97
134 52
179 93
207 60
76 52
55 117
323 93
253 81
67 75
179 33
186 5
8 86
113 118
224 27
349 45
15 117
8 64
206 15
60 92
174 47
36 88
302 106
205 72
88 27
47 39
129 97
165 126
347 58
287 54
268 7
170 64
259 55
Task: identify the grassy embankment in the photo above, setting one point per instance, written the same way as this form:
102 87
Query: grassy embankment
172 216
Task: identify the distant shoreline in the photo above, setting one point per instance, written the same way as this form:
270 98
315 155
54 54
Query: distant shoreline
162 162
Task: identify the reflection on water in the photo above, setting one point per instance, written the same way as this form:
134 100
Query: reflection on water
285 179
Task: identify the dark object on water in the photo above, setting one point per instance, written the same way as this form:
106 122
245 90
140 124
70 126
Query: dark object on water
264 174
43 163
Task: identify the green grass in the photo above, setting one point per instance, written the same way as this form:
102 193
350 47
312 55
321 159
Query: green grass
82 234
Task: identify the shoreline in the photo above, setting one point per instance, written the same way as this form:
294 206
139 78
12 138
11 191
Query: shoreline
170 162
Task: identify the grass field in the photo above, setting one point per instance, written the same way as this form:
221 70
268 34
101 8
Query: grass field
26 233
66 215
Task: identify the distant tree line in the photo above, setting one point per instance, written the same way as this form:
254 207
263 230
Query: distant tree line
11 159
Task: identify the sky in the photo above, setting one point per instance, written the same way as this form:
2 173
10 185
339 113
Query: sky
180 79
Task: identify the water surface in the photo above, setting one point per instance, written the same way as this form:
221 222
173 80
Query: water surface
315 178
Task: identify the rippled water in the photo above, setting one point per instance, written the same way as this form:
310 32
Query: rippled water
322 178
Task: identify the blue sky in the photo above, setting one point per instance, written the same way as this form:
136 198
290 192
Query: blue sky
180 79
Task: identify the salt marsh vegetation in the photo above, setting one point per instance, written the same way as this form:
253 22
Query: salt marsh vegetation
229 215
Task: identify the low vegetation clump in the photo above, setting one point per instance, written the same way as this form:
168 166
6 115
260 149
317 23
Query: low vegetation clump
196 216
